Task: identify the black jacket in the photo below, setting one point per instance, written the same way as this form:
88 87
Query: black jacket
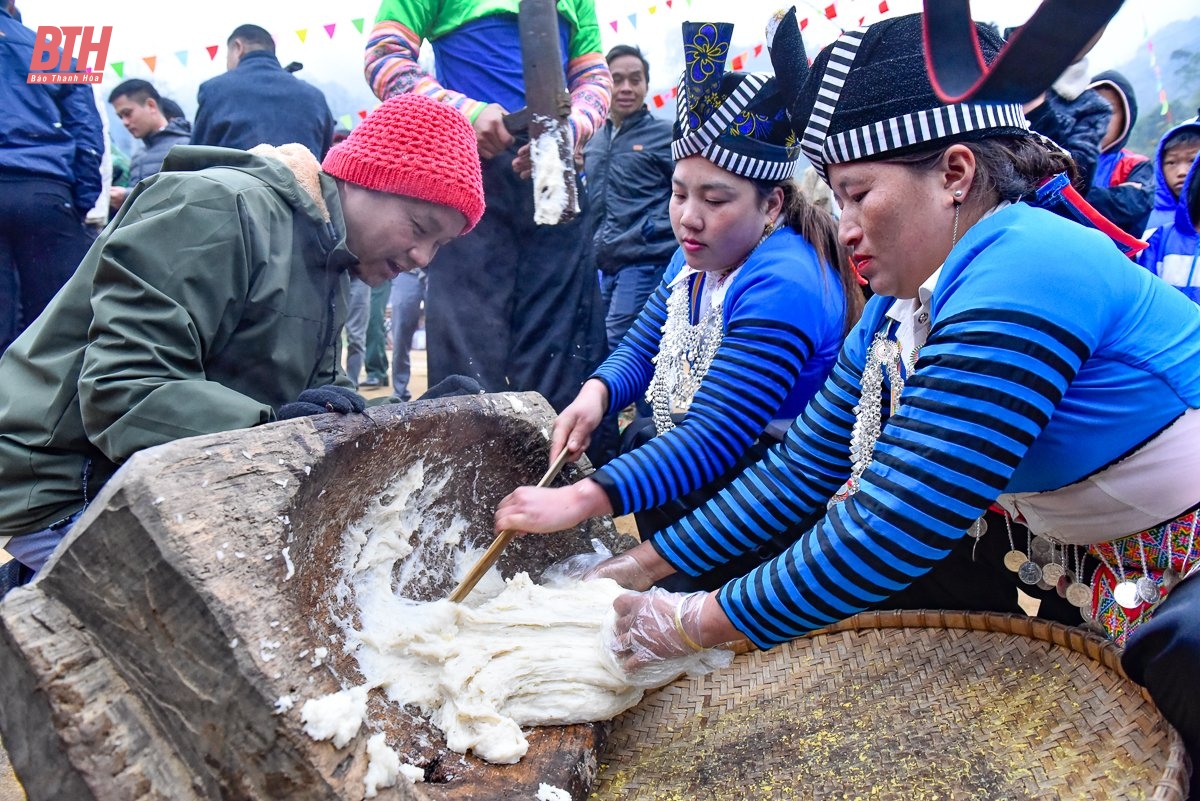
629 185
260 102
1076 125
1114 191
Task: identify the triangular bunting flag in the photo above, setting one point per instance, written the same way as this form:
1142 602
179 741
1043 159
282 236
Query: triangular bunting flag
883 7
346 122
357 23
831 11
804 23
303 34
633 20
329 29
119 68
739 61
758 50
668 3
652 9
675 89
362 114
861 20
182 56
659 102
151 61
212 52
613 24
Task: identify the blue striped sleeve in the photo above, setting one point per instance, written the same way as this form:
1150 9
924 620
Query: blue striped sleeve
987 382
770 316
627 371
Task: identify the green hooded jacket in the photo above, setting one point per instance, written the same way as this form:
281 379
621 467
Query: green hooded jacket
213 298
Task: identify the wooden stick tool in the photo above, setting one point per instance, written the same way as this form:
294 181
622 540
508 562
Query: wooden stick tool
502 539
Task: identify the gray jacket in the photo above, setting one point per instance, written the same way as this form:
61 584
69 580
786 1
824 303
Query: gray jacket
150 161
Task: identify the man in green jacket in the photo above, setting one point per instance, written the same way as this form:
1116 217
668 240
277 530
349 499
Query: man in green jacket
213 300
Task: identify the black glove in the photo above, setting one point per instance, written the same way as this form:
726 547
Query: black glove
451 386
321 400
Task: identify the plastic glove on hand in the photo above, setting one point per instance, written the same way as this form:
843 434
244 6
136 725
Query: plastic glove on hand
321 400
575 568
656 636
625 569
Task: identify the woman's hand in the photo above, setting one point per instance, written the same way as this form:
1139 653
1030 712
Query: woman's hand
656 626
573 428
635 569
540 510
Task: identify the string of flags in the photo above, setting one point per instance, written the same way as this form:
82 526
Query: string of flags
1165 105
658 99
152 62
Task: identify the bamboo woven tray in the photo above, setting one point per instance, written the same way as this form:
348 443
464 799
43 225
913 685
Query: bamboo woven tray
905 706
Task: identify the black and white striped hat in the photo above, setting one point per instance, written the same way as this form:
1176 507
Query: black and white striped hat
868 94
736 120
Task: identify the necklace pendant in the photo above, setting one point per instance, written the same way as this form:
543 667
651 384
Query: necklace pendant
1014 559
1052 572
1029 572
1079 594
1148 591
1170 578
977 529
1126 594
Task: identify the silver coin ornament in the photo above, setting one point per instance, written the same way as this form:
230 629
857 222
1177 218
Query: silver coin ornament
1042 585
1126 594
1079 594
1066 581
1029 572
1014 559
1041 547
1170 578
1148 591
1052 572
977 529
1085 612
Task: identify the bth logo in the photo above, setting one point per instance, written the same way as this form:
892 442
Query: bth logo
52 54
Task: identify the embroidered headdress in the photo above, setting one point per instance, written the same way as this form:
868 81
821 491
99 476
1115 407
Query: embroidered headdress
868 94
736 120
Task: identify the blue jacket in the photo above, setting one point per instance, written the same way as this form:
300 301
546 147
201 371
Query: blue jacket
259 101
1165 202
1172 254
784 316
50 130
1033 377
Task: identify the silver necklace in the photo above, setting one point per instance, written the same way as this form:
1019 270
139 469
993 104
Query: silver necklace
882 357
686 351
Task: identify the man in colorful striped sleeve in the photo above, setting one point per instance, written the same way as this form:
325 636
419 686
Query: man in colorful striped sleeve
514 305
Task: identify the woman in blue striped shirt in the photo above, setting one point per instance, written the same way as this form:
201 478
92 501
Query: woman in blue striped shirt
1018 406
739 336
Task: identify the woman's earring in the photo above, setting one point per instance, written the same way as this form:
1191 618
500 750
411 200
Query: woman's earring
958 193
954 236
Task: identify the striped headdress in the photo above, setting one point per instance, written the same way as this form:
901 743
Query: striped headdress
736 120
868 94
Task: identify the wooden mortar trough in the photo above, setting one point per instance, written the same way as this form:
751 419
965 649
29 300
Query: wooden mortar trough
148 660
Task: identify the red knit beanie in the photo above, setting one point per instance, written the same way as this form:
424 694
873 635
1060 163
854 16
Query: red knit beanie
415 146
